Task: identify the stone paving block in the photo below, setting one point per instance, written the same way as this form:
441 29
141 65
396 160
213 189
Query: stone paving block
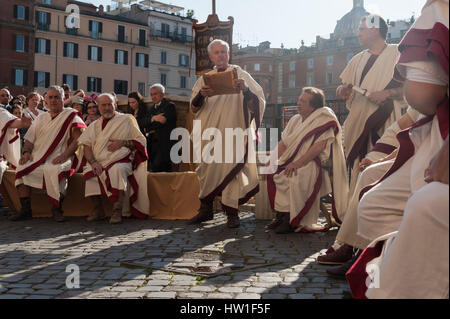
176 288
320 279
285 290
257 290
231 289
161 295
301 296
334 291
248 296
158 282
131 283
265 284
312 290
270 279
183 278
9 296
21 291
12 279
150 288
104 295
122 288
273 296
51 292
38 297
203 288
190 295
331 296
135 277
134 294
15 285
183 283
47 286
219 296
162 276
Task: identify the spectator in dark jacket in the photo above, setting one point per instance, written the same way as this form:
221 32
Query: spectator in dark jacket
159 124
140 111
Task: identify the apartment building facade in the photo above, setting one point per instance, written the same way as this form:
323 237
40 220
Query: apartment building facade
17 45
106 53
170 45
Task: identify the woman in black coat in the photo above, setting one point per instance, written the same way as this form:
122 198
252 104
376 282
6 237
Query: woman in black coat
140 111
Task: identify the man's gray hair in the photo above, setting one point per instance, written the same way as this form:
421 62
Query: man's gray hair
5 89
159 87
57 88
218 41
110 96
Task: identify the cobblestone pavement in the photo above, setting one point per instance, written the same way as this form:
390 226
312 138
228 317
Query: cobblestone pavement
34 255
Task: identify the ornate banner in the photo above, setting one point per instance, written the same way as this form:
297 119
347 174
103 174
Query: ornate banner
206 32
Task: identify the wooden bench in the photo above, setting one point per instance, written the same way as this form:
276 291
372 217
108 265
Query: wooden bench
172 196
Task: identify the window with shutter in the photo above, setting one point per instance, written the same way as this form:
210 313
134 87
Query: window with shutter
99 85
41 46
20 13
18 77
183 82
25 77
142 35
141 88
90 84
47 47
20 43
40 79
94 28
47 79
43 19
120 33
26 44
142 60
163 79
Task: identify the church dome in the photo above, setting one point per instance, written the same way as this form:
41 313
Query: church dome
349 24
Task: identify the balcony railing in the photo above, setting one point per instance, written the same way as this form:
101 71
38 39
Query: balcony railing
72 31
43 26
174 36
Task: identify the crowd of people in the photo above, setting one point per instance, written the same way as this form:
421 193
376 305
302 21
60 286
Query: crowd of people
386 169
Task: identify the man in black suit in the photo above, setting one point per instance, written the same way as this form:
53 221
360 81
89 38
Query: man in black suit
161 121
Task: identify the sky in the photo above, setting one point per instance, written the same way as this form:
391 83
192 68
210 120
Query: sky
288 22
